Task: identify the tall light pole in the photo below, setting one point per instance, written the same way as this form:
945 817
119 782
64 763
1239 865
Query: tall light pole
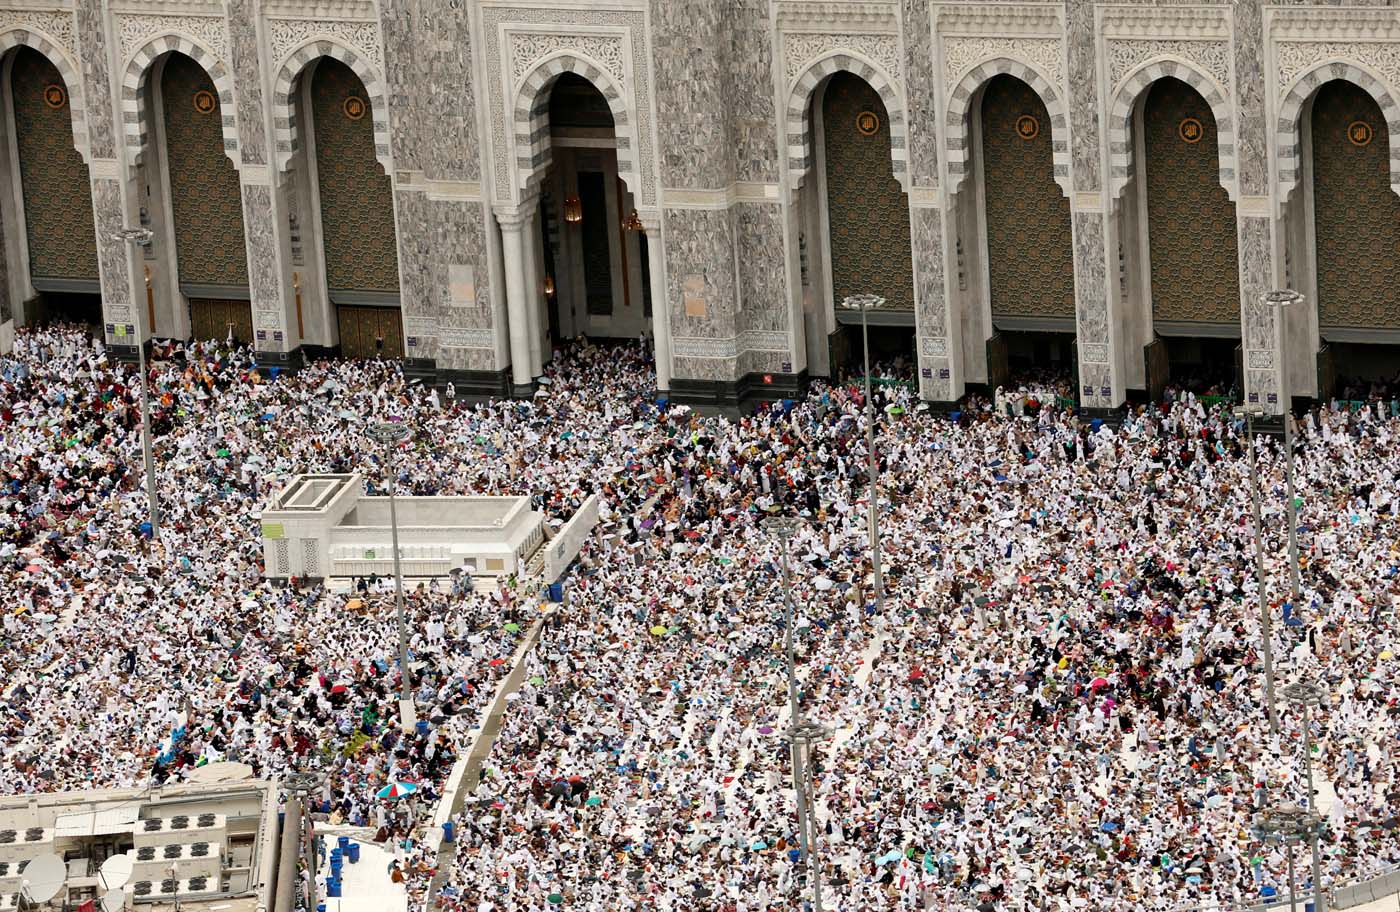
801 734
1308 694
866 303
301 785
392 433
138 238
1266 623
1280 301
1288 826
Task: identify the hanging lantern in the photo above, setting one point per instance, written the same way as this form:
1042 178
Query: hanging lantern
633 223
573 210
549 286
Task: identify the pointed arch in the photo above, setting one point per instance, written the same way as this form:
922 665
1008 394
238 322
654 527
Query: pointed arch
72 78
1289 139
137 72
797 125
530 118
284 91
960 106
1134 87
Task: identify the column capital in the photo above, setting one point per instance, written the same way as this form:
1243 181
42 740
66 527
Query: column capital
514 217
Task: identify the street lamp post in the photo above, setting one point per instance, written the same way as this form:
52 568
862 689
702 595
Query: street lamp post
301 785
1280 301
866 303
392 433
801 734
1308 694
1288 826
1265 620
137 238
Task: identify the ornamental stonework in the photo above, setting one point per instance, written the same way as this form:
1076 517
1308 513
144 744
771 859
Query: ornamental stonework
137 30
286 35
528 48
1125 56
1298 57
58 26
800 49
961 54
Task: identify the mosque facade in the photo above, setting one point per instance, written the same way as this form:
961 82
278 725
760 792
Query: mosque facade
1107 188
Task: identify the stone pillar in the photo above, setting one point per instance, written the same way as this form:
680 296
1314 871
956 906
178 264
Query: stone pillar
1098 334
514 226
660 313
274 328
534 289
941 377
1259 234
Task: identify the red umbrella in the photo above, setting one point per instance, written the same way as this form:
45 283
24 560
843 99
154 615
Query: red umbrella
34 568
1097 683
339 689
496 662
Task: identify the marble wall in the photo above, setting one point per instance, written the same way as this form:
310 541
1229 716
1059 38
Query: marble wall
714 143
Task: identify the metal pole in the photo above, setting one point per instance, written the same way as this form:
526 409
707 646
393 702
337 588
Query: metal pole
1264 613
815 862
1293 570
798 779
1292 881
141 237
874 467
405 694
1319 901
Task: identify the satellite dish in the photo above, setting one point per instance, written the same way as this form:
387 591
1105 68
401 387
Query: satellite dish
112 901
115 872
43 878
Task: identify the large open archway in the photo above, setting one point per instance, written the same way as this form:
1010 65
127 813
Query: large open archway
50 241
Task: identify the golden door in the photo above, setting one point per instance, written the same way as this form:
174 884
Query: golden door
361 328
210 319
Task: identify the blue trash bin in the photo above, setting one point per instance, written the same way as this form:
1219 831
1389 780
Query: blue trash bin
342 843
333 888
353 853
556 592
449 832
422 726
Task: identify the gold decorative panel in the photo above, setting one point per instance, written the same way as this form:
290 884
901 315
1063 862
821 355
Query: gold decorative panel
57 193
1357 215
362 328
204 193
1190 219
210 319
1030 253
866 210
357 203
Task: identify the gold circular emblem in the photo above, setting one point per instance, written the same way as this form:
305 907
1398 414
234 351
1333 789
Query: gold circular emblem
205 102
867 123
1190 130
1027 126
355 107
1360 133
55 96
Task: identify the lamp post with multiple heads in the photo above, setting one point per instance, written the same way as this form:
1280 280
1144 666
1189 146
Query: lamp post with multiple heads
802 734
138 238
866 303
392 433
1250 415
1280 302
1308 694
1288 826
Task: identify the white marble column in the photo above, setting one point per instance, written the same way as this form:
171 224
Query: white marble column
660 307
534 289
514 232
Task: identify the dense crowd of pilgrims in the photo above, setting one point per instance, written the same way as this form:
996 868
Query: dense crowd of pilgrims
1055 702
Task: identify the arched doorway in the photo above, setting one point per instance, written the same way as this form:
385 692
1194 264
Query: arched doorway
590 257
1356 226
196 269
1186 247
347 203
855 236
1027 255
50 238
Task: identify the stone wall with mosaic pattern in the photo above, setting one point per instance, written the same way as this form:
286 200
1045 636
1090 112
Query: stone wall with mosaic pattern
1357 217
868 213
1190 219
57 192
357 203
204 193
1030 254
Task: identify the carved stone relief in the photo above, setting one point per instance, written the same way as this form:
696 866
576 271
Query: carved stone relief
286 35
1296 57
1125 55
528 48
136 30
56 25
961 54
800 49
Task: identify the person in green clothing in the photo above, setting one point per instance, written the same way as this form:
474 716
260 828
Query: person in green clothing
369 719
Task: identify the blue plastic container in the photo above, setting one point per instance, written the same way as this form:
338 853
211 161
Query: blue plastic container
353 853
449 832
